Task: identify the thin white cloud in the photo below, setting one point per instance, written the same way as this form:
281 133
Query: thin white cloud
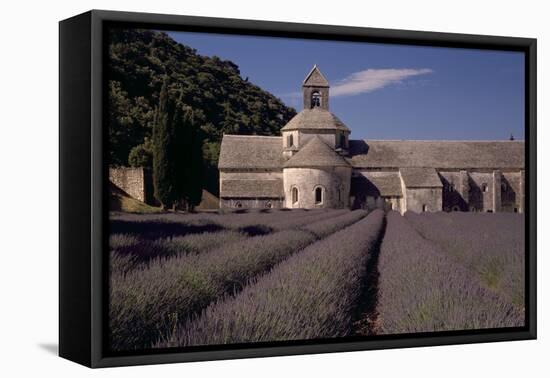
373 79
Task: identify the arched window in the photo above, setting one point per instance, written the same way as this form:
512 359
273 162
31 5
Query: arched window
504 187
294 195
268 205
424 208
484 187
318 195
290 140
238 205
315 99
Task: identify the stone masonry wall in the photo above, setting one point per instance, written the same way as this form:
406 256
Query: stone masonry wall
335 183
131 180
250 203
481 191
424 199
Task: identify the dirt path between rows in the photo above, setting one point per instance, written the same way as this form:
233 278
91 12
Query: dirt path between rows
366 316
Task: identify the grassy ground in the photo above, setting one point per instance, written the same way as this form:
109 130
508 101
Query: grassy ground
120 201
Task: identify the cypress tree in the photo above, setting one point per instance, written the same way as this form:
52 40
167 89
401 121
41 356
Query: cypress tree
196 164
177 154
163 150
190 163
181 155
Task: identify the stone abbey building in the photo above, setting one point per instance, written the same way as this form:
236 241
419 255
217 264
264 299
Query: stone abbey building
314 164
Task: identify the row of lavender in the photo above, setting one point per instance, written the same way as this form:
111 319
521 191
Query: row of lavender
137 239
492 245
151 299
303 277
313 294
215 221
423 288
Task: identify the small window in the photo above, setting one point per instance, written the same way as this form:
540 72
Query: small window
484 188
451 187
424 208
238 205
504 187
456 208
338 140
268 205
294 195
290 140
315 99
515 209
318 195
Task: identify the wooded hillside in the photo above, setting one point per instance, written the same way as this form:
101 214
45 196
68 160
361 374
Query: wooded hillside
222 101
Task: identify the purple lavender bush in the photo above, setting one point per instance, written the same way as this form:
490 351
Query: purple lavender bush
170 224
311 295
492 245
169 235
150 300
128 251
422 289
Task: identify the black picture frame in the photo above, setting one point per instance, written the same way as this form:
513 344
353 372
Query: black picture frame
83 196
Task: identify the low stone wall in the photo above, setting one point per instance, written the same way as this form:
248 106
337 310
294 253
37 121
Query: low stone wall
250 203
137 182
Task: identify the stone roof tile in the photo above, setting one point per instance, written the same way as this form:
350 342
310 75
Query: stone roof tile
420 178
315 78
316 153
251 188
437 154
315 119
386 184
251 152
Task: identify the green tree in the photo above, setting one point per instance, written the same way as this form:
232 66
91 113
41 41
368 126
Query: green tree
142 155
164 151
222 101
189 157
182 140
196 163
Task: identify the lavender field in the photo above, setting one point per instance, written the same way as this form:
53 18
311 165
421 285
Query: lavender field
271 275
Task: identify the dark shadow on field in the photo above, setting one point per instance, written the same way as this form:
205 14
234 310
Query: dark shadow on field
366 315
155 229
256 230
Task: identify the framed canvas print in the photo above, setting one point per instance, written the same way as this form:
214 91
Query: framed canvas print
233 188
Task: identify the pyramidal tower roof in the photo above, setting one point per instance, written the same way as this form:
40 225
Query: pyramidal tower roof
315 119
316 153
315 78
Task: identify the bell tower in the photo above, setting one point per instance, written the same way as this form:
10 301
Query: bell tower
315 90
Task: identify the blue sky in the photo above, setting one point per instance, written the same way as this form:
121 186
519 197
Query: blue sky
387 91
